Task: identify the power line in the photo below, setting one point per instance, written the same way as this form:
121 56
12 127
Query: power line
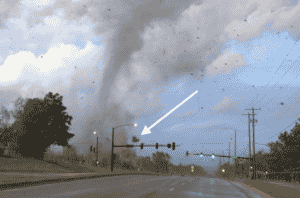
283 129
281 65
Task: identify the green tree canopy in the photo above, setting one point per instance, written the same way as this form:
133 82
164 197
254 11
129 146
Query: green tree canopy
41 123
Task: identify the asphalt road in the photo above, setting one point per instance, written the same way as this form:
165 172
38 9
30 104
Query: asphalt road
136 186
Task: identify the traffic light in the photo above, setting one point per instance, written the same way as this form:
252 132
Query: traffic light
91 148
187 153
173 146
169 145
201 154
94 150
156 146
142 145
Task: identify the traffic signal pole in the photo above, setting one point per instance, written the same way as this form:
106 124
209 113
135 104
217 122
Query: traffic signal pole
228 156
131 146
97 152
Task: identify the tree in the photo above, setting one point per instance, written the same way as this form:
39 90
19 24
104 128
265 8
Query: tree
5 118
161 161
70 153
41 123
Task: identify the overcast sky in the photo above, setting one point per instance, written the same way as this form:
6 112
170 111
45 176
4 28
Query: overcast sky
119 62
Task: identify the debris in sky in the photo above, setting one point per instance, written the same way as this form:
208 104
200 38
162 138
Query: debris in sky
75 67
223 89
42 56
225 63
164 51
253 86
198 38
109 9
93 81
81 97
282 103
135 139
191 74
201 107
216 68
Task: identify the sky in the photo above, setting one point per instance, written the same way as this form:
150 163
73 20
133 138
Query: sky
121 62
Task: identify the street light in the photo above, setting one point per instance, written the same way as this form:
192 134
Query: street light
97 149
112 143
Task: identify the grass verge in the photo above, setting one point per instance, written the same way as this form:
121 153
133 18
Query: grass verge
267 188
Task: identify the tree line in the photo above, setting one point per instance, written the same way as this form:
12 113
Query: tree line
281 163
35 124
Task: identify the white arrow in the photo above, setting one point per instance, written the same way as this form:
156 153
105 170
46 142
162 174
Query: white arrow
147 130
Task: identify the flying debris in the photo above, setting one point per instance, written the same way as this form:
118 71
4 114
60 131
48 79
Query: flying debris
223 89
81 97
75 67
216 68
225 63
191 74
198 38
93 81
135 139
109 9
282 103
42 56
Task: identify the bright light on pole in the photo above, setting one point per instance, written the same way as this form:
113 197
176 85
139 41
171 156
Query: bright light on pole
135 125
94 132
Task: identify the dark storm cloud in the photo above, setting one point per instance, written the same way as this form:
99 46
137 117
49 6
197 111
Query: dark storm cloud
9 8
150 42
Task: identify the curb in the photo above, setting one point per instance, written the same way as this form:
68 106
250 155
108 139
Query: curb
51 181
60 180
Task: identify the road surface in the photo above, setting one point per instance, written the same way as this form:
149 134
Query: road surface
136 186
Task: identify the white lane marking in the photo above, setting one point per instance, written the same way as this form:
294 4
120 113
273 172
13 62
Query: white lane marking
171 189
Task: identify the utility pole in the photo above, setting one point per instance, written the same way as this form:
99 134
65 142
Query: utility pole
253 120
112 151
223 157
235 152
229 154
249 136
